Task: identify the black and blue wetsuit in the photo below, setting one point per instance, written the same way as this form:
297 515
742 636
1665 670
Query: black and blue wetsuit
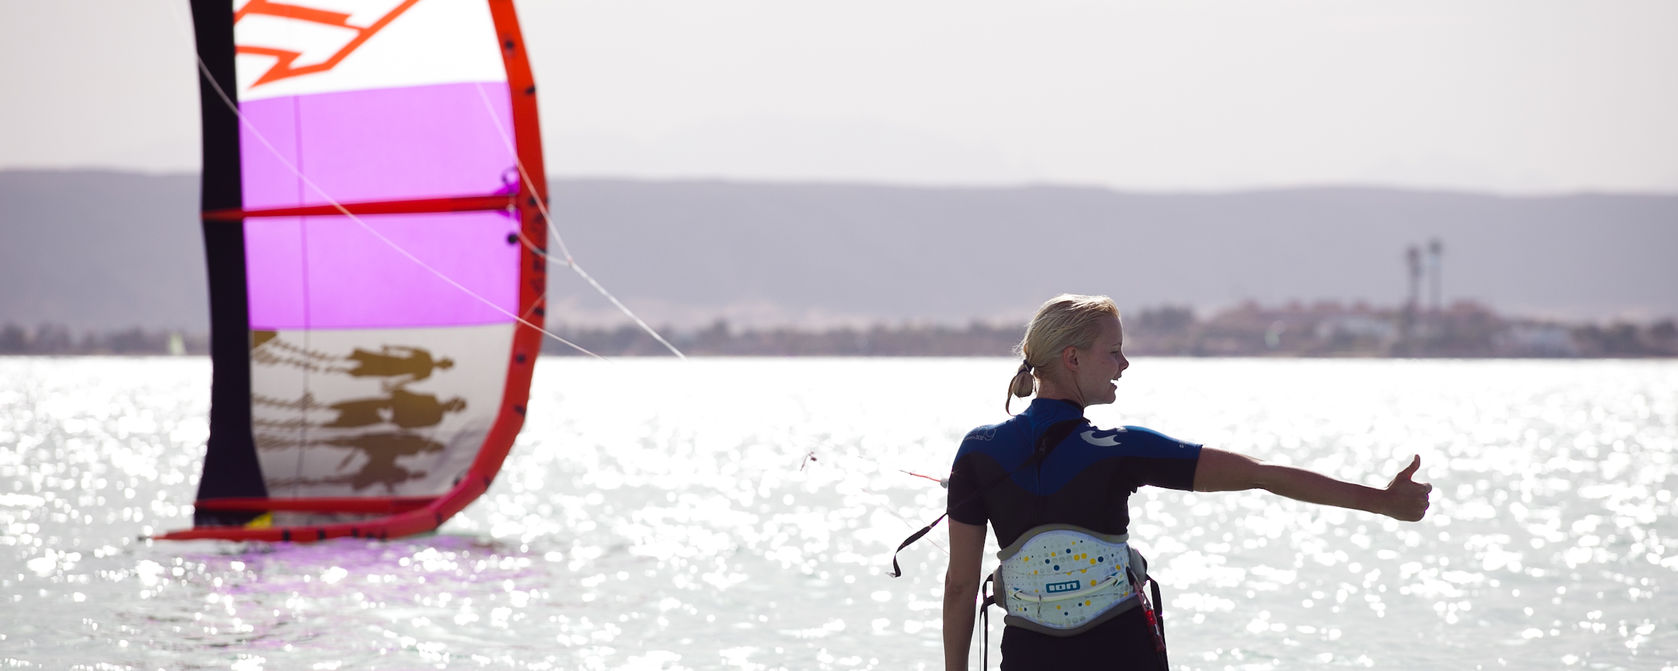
1085 481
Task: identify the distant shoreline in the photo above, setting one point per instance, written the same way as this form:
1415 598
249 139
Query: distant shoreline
1464 330
104 251
693 355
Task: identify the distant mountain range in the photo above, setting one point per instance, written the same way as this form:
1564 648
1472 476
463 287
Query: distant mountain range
104 250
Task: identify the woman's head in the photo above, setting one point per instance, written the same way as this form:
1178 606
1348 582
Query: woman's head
1071 338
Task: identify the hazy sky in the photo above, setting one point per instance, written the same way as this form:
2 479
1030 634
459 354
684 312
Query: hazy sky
1524 96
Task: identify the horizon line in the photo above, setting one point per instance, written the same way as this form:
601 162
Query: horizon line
1022 185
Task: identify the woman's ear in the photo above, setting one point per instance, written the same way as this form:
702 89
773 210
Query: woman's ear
1069 358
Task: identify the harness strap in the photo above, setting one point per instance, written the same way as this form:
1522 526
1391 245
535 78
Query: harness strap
984 621
1050 439
1154 612
1159 608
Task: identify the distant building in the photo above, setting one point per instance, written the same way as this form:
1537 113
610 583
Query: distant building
1536 340
1360 326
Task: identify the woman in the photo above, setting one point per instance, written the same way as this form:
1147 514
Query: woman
1056 490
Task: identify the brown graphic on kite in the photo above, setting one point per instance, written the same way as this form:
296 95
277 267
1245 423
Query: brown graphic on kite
402 408
395 361
398 364
399 421
381 450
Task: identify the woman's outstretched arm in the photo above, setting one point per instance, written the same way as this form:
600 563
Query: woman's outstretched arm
1403 499
961 587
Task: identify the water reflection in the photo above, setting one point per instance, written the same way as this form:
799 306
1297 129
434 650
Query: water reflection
662 515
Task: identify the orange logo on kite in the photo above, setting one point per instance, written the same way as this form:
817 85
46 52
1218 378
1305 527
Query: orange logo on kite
285 63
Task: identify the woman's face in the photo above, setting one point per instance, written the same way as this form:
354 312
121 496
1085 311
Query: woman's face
1102 364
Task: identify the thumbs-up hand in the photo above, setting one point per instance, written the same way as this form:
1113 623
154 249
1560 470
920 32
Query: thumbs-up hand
1407 499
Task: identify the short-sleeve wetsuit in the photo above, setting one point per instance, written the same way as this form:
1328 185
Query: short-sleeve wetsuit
1086 481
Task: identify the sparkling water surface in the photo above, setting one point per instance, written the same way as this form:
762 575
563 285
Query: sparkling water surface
741 513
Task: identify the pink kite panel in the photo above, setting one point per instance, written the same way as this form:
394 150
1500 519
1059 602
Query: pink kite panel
378 144
332 273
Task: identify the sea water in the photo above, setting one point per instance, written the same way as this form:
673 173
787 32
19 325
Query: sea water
741 513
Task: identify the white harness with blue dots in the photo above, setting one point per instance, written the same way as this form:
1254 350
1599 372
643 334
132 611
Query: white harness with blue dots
1062 580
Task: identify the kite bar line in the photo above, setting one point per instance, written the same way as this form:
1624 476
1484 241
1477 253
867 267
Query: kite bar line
553 230
942 482
810 458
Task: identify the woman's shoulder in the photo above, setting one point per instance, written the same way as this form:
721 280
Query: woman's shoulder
1140 441
994 436
1147 433
989 432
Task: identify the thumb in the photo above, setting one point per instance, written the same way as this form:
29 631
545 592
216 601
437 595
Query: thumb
1415 463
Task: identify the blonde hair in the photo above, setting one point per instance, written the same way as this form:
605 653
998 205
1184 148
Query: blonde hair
1067 320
